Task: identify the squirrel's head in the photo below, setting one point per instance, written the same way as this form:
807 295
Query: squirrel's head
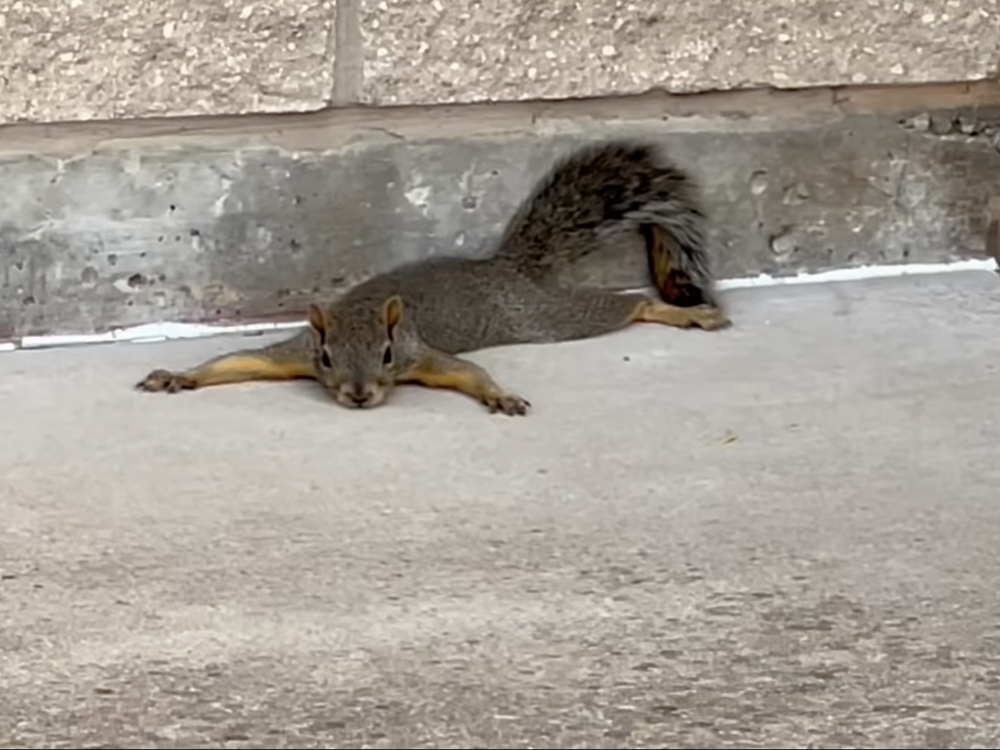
354 357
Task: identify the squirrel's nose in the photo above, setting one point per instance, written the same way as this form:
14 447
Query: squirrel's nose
358 393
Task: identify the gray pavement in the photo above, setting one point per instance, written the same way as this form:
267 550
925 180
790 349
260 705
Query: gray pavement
781 535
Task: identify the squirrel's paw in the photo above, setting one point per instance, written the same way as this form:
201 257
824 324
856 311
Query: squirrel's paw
508 403
164 381
710 318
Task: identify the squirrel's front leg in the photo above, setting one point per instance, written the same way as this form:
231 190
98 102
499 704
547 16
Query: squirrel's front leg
286 360
439 370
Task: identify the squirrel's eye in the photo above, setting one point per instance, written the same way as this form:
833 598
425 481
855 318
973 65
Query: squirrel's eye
325 359
387 356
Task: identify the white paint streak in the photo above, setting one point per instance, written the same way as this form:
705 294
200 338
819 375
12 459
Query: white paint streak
153 332
169 331
861 273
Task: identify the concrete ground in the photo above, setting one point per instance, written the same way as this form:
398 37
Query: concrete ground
781 535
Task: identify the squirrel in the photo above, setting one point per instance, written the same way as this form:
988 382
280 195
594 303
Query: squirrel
408 325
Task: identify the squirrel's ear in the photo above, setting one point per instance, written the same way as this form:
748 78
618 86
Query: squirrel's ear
392 313
319 319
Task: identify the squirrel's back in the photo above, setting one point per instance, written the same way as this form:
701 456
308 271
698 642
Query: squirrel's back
458 304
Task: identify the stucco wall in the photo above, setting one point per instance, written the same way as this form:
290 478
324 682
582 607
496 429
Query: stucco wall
86 59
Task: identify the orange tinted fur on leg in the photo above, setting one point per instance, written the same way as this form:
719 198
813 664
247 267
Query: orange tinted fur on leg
654 311
241 367
440 370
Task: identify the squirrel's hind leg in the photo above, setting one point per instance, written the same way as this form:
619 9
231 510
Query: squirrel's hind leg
286 360
436 369
706 317
584 313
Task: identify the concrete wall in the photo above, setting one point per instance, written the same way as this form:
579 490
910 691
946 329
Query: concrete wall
231 216
235 219
85 59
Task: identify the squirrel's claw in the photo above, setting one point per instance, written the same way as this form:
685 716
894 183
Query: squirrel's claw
710 318
164 381
508 403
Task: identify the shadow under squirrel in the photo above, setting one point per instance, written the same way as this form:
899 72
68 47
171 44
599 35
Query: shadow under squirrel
407 325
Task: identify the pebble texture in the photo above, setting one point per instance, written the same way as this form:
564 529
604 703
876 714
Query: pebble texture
495 50
782 535
87 59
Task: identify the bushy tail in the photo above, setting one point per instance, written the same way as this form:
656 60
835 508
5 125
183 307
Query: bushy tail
588 199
